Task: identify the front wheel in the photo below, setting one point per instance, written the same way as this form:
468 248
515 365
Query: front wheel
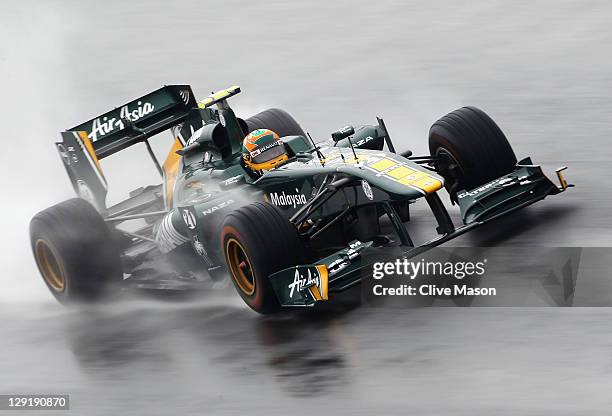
472 148
257 242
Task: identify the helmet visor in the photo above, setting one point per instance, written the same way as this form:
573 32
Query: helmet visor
270 153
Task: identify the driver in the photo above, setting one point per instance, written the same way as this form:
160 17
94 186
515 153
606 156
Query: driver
263 150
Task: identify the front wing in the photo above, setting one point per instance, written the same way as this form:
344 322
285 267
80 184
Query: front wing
305 285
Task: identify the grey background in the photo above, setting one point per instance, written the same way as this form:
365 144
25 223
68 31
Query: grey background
541 69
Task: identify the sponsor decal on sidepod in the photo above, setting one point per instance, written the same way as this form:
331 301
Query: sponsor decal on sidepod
217 207
286 200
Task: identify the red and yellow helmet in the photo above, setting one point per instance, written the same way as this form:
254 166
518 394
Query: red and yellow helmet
263 150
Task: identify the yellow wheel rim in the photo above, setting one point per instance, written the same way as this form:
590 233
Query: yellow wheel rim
49 266
240 266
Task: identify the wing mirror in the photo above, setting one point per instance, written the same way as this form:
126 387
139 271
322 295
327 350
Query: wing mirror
343 133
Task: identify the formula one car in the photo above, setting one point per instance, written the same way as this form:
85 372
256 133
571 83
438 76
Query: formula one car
288 236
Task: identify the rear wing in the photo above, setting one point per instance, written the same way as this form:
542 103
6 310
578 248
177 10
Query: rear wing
83 146
138 120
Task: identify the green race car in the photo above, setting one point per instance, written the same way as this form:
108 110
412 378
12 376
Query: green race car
289 235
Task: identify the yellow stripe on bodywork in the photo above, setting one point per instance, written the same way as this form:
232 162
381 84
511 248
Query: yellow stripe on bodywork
321 293
170 169
383 164
413 177
90 149
406 175
400 172
422 180
352 161
428 184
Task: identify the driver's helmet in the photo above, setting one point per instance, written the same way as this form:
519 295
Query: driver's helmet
263 150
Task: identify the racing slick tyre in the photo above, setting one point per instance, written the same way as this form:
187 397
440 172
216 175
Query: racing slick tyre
473 148
258 241
277 120
74 251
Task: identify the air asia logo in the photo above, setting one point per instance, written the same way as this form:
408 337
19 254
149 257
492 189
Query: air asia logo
301 282
367 189
100 128
189 219
288 200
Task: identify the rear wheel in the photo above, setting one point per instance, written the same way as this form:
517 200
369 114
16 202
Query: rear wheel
472 147
277 120
258 241
75 252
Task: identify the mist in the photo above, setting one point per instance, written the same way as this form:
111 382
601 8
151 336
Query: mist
540 69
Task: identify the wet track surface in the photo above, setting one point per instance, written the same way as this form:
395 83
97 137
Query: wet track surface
222 359
538 70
